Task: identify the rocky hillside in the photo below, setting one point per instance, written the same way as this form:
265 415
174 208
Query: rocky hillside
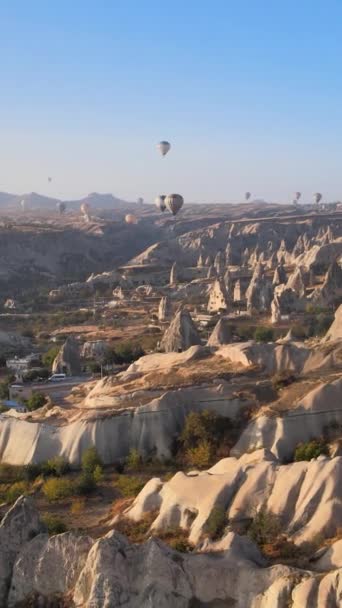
74 570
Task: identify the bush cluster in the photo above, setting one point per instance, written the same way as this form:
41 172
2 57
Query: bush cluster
311 449
203 433
264 334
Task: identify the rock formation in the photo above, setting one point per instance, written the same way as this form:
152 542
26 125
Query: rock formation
330 292
238 293
259 293
94 349
296 282
219 263
221 334
279 276
174 275
20 524
335 330
275 310
229 255
164 310
68 359
200 262
181 334
218 298
211 272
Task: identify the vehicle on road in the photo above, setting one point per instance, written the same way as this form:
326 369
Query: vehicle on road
57 377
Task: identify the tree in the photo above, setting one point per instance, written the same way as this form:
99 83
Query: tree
263 334
49 357
90 460
36 401
311 449
4 387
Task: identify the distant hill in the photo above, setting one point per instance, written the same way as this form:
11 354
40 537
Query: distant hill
35 201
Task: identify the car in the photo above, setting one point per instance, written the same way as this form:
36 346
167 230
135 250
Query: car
57 377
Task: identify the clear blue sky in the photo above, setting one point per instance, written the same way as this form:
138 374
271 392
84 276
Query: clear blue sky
248 92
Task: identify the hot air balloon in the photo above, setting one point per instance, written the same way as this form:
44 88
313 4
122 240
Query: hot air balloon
131 219
61 207
23 204
163 147
160 202
248 196
297 196
49 179
174 202
317 197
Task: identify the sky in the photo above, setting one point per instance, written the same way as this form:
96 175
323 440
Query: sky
248 93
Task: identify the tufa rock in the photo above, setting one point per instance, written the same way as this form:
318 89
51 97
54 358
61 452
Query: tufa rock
164 310
221 334
181 334
218 297
68 359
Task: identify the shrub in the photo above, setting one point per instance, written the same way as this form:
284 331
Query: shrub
176 538
265 527
17 489
49 357
57 488
85 483
282 379
33 374
54 524
263 334
90 460
77 506
123 353
311 449
298 332
129 485
216 522
57 466
4 387
32 471
98 474
36 401
201 455
203 426
134 459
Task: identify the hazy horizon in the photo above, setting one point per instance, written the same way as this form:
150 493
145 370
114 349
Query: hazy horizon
247 95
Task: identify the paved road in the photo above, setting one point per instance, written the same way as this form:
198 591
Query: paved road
58 391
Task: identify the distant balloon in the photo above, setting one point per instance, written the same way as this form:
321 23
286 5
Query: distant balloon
174 202
61 207
23 204
163 147
297 196
49 179
160 202
317 197
131 219
140 201
248 196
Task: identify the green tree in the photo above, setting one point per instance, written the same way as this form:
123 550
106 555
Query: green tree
133 459
90 460
263 334
36 401
265 527
49 357
4 387
311 449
